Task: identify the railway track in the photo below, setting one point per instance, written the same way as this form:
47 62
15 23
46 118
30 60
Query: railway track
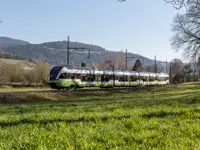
18 96
80 90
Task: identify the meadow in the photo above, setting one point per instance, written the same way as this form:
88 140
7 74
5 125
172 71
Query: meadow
162 118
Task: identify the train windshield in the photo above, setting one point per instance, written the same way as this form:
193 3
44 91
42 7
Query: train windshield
54 72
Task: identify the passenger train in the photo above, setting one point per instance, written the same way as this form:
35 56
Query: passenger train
67 77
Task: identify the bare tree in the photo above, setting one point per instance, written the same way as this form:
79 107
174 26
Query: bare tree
175 3
187 30
177 69
117 60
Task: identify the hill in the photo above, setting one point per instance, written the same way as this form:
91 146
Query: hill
55 53
6 41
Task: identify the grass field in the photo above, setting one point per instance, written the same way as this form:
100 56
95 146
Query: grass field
23 89
165 118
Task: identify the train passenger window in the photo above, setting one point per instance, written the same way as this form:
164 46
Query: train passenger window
133 78
157 78
116 77
107 78
144 79
102 78
72 76
162 79
62 76
88 78
151 78
92 78
97 78
78 76
121 79
83 78
67 75
125 78
140 78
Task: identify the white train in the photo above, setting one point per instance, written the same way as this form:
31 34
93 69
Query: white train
69 77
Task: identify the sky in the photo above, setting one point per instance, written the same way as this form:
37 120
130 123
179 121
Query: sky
141 26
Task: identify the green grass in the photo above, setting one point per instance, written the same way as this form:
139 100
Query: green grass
22 89
105 120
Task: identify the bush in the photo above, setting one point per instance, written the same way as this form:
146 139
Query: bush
15 73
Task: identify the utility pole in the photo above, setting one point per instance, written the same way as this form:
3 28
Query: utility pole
166 67
68 50
126 60
130 58
195 64
170 72
155 67
74 49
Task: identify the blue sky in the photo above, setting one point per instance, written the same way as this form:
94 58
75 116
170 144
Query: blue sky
141 26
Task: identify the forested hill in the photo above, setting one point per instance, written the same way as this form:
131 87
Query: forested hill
6 41
56 53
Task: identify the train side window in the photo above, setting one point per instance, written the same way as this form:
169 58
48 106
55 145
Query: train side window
83 78
116 77
139 77
145 79
102 78
72 76
92 78
120 78
67 76
125 78
97 78
151 78
62 76
88 77
78 76
157 78
133 78
107 78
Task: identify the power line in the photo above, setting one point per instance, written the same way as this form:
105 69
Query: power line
74 49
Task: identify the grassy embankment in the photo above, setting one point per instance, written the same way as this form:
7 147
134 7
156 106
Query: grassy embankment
105 120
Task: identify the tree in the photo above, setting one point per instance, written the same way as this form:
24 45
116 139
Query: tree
117 60
137 66
186 28
15 73
94 65
177 71
150 68
83 64
176 3
198 63
42 71
188 72
4 78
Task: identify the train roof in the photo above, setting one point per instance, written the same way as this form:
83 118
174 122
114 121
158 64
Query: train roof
117 72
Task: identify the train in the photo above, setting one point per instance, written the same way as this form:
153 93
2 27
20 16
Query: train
70 77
